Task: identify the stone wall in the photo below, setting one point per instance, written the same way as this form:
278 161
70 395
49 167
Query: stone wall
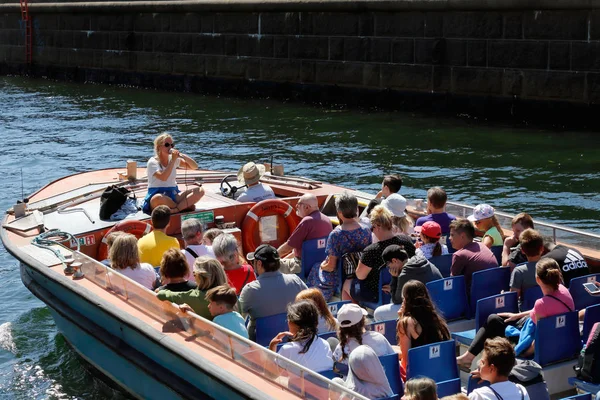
419 49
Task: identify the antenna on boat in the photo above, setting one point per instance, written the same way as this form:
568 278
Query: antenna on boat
271 164
22 189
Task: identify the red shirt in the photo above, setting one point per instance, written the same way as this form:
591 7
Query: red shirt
313 226
240 276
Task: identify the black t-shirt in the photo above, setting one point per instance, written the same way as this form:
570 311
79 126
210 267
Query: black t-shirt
179 287
516 255
571 262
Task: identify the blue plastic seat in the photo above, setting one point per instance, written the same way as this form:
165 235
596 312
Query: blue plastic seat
486 283
386 328
313 252
268 327
443 263
392 397
475 383
449 297
592 315
329 374
584 396
584 387
538 391
383 298
391 366
557 339
530 296
438 362
335 306
581 297
497 251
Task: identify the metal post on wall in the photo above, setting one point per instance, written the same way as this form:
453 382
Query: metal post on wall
25 17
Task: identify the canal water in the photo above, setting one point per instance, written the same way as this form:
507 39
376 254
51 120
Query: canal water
50 130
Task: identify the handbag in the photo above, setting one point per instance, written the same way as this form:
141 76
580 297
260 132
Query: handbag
350 263
112 199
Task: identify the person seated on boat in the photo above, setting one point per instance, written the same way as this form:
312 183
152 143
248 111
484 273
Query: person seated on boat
571 262
396 205
124 257
314 225
327 322
365 221
221 303
304 346
348 237
556 300
162 178
436 210
270 293
110 239
250 175
391 184
494 366
419 323
484 220
366 375
174 272
511 252
209 273
421 388
403 269
523 276
365 286
430 233
154 244
470 256
192 232
210 235
227 251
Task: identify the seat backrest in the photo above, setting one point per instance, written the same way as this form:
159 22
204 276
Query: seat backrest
557 338
386 328
392 397
505 302
592 315
581 297
475 383
313 252
497 252
383 298
443 263
488 282
449 296
335 306
530 297
436 361
584 396
391 366
268 327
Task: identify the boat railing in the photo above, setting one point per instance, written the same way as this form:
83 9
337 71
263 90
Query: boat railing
198 331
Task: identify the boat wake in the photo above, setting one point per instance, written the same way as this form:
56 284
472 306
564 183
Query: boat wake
6 339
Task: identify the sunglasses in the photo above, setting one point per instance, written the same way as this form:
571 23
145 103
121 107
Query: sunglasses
167 145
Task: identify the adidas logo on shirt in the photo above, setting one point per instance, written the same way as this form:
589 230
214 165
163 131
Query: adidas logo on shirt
573 261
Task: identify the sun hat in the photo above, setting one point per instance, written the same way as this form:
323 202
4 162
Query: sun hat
250 173
396 204
480 212
264 252
350 314
431 229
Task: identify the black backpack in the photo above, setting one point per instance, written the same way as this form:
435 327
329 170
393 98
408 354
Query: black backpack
588 366
112 199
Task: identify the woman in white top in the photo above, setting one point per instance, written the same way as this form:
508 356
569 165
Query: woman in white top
162 177
124 257
327 322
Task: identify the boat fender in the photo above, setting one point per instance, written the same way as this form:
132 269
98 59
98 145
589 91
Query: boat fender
263 209
136 228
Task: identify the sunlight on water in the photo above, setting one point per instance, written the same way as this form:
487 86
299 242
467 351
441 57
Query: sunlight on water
6 339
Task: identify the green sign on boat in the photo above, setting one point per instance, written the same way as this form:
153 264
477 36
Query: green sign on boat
207 217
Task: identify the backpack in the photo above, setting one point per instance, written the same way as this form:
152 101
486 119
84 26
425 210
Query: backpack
588 366
112 199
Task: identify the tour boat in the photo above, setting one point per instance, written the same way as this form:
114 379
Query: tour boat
149 347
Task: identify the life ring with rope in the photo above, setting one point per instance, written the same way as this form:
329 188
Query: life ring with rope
136 228
263 209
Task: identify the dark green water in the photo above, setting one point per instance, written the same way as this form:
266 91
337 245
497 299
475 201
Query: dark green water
53 129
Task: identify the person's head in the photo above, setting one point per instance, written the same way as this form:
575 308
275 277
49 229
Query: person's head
346 205
395 204
173 265
532 243
391 184
482 216
417 304
381 220
124 252
436 199
250 173
110 238
161 216
226 249
548 273
497 361
210 235
462 233
372 204
264 259
303 319
548 243
351 318
192 230
163 142
208 273
316 296
366 375
431 232
307 204
221 299
394 256
420 388
521 222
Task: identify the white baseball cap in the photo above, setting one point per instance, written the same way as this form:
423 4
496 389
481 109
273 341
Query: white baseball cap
350 314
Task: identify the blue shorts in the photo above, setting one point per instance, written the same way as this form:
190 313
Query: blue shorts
170 192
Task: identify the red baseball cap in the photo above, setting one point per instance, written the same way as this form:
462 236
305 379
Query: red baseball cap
431 229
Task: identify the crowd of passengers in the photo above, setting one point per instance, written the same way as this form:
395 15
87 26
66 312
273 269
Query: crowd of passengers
212 278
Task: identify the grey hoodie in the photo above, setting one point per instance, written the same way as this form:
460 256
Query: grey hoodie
418 268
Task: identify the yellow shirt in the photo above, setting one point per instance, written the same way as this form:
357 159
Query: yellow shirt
152 247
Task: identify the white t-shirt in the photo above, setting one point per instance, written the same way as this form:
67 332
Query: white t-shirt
507 390
256 193
374 340
324 326
201 250
426 250
154 166
317 358
143 274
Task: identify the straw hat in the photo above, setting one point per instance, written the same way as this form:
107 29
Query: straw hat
250 173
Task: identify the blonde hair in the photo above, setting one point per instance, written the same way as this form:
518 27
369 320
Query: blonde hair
404 224
316 297
209 273
382 217
124 252
160 140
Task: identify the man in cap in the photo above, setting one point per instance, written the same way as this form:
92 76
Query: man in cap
250 175
272 291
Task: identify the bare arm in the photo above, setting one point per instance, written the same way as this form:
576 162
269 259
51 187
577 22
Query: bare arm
329 263
488 241
362 271
188 162
509 242
284 249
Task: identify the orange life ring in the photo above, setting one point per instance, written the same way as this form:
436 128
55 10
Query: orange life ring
263 209
136 228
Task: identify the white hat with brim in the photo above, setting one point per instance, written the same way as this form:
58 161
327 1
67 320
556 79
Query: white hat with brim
396 204
480 212
250 173
350 314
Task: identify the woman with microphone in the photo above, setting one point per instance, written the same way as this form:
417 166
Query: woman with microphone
162 178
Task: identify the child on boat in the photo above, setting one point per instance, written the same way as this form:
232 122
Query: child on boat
221 301
430 234
210 235
420 389
436 210
484 220
173 272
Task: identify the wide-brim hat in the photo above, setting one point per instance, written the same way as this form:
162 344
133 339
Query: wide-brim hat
396 204
250 173
482 211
